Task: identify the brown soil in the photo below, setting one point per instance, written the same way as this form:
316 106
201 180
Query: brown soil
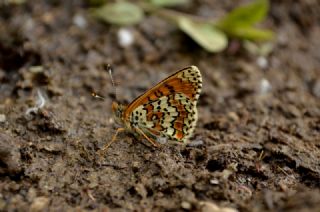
254 149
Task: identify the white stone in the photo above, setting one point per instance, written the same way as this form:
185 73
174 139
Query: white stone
80 21
2 118
265 86
125 37
262 62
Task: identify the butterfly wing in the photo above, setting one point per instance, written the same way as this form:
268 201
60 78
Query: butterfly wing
173 117
169 108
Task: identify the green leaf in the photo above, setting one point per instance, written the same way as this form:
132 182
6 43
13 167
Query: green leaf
121 13
169 3
206 35
245 16
251 33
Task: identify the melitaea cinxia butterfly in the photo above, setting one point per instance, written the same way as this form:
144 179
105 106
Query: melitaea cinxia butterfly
168 110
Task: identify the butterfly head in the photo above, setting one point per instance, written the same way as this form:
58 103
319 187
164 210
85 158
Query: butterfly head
118 110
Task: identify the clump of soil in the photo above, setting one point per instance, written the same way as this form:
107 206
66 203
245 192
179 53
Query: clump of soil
256 146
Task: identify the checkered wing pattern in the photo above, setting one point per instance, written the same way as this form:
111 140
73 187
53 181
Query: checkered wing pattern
169 109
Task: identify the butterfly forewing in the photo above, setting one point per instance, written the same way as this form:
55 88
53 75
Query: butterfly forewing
169 108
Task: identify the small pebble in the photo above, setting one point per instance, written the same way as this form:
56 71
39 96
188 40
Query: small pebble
214 182
265 86
39 204
125 37
136 164
80 21
233 116
2 118
195 143
262 62
186 205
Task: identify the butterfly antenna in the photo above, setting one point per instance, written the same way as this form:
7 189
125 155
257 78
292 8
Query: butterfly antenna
109 69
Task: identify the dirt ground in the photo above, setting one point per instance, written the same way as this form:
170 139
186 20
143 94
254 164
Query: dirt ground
257 142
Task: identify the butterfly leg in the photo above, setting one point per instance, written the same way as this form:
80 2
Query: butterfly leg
104 149
146 137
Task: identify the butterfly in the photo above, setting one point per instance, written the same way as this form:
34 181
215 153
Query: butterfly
168 110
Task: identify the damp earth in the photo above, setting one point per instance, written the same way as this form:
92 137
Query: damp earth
256 146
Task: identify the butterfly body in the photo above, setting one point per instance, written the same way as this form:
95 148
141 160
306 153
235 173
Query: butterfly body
168 110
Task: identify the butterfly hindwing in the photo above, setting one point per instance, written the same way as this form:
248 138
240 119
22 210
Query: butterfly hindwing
169 108
172 116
